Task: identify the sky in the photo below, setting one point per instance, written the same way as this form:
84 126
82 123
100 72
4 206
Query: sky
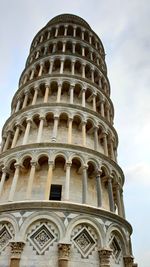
123 27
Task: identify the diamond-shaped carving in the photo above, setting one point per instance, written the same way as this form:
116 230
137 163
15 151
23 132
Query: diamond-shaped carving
5 237
42 238
84 242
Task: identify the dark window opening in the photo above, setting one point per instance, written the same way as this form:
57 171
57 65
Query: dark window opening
55 193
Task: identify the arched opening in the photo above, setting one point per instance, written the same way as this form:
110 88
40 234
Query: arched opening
88 72
77 130
86 36
36 72
59 47
59 178
63 128
76 181
50 48
78 49
89 134
91 176
68 47
46 67
87 52
70 31
96 77
49 119
78 68
89 98
53 30
67 66
78 94
61 30
78 33
65 92
56 66
53 92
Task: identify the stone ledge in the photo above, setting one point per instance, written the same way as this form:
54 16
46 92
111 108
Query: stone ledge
65 206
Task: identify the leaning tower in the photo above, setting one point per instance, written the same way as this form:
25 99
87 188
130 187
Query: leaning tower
61 189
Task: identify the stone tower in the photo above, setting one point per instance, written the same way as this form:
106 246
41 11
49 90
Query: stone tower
61 189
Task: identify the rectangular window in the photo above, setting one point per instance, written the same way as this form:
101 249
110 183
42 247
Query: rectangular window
55 193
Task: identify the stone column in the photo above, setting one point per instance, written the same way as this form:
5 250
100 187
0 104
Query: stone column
62 66
102 108
48 36
16 250
3 177
83 70
73 48
32 74
72 68
122 203
70 131
83 97
41 39
35 95
25 100
18 105
49 180
25 78
92 75
15 136
64 47
46 50
37 54
84 133
71 93
14 182
91 55
67 182
105 144
41 69
104 257
40 130
74 31
84 185
128 261
99 189
66 28
55 128
111 149
110 194
54 48
118 200
82 35
96 138
51 66
59 92
94 102
83 51
63 254
30 180
107 113
27 130
7 141
46 93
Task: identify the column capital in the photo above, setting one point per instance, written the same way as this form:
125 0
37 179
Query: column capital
42 117
104 256
64 251
51 163
128 260
33 163
17 165
29 120
85 167
16 249
68 164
